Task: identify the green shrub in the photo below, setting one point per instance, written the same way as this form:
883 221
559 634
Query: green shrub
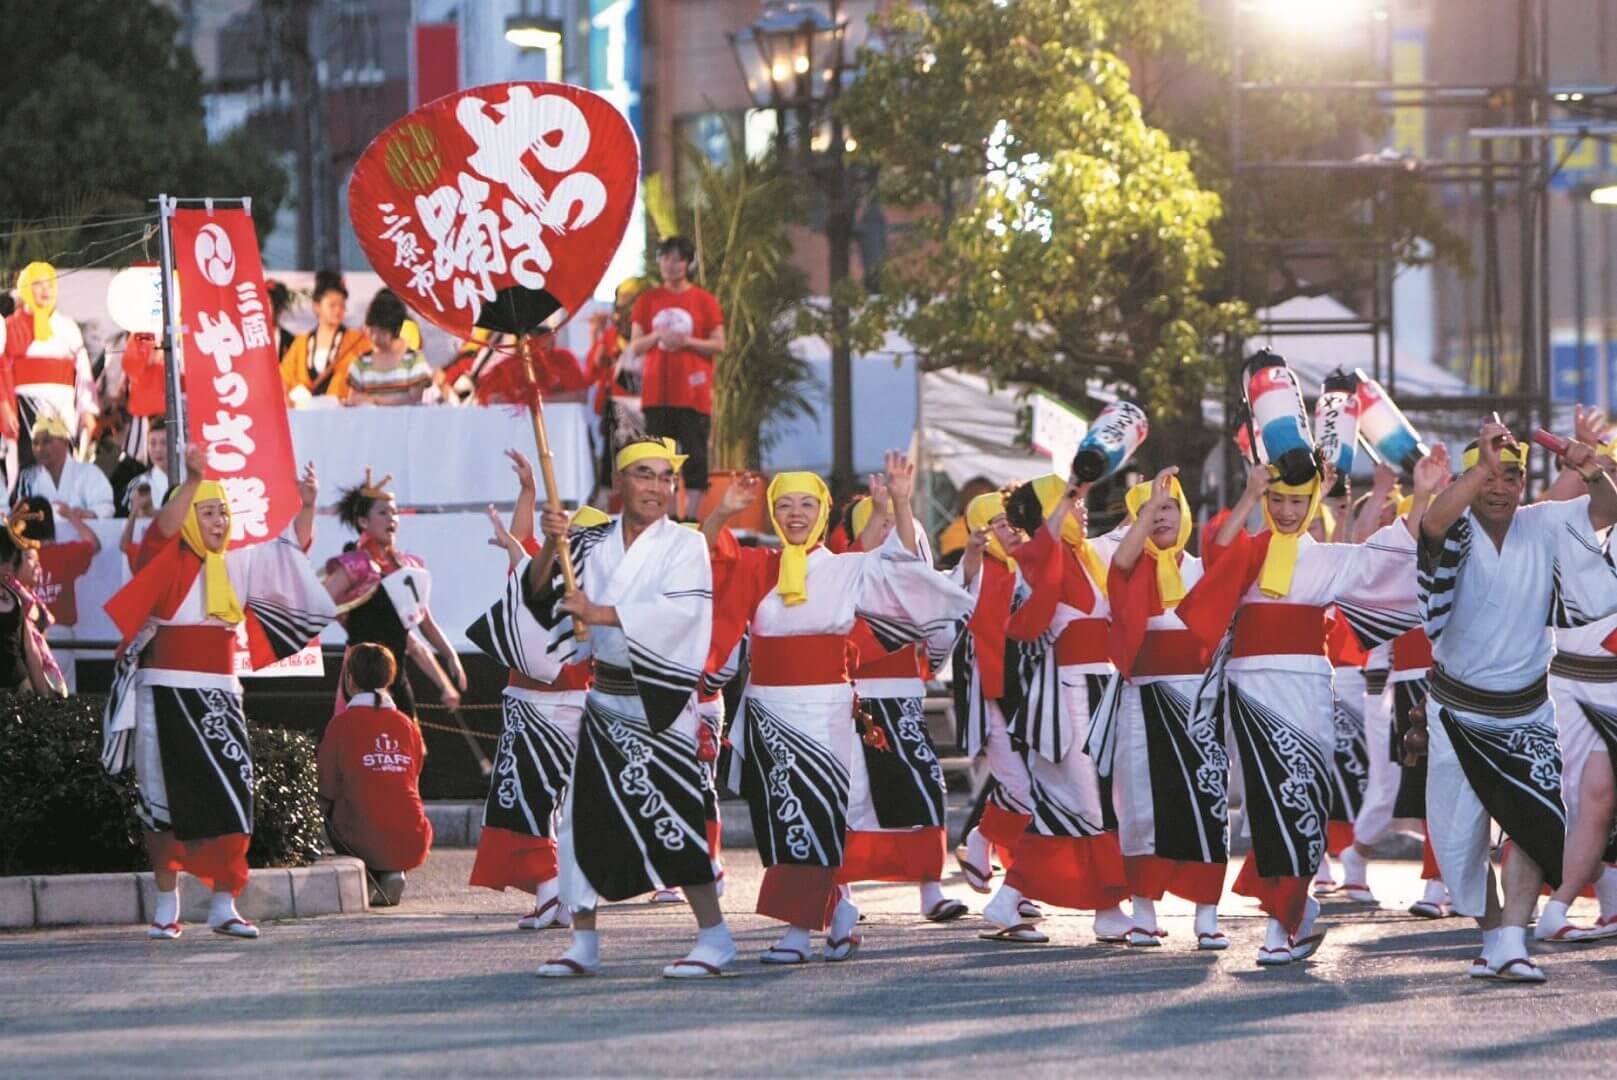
60 813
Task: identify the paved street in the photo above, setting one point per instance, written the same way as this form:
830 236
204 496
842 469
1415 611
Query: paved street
444 985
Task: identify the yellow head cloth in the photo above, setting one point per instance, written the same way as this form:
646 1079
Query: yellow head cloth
979 512
793 584
218 595
1170 583
646 449
1050 488
1508 455
1327 519
1281 562
36 271
1405 505
48 423
859 516
585 516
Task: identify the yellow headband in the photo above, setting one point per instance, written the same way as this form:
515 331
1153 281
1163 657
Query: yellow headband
48 423
585 516
650 449
1280 564
1170 582
218 595
1508 455
793 584
1050 488
859 516
982 510
36 271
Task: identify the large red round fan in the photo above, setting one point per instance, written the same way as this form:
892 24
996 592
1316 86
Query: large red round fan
497 206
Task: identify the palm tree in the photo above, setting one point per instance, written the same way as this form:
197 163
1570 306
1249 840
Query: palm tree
739 216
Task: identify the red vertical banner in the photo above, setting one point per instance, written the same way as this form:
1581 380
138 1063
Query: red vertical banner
234 404
437 60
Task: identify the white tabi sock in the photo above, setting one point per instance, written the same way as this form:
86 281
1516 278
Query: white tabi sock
714 946
977 851
1512 942
1606 892
1436 892
1490 945
1206 919
167 908
1324 873
222 909
931 895
795 938
1353 866
1310 913
585 948
547 890
1145 912
844 920
1551 919
1111 922
1001 910
1276 936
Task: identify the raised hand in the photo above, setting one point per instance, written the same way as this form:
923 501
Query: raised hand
1589 425
900 476
523 468
1161 490
309 485
1492 438
1432 473
1257 483
880 498
1386 478
553 523
741 494
502 536
196 462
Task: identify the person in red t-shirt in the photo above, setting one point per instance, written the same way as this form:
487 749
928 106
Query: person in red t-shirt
678 329
60 564
370 765
560 378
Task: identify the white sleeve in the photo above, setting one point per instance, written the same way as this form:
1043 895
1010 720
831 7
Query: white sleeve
97 493
1374 585
904 600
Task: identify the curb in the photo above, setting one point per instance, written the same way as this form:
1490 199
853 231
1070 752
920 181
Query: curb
332 886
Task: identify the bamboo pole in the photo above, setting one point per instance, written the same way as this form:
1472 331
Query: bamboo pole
547 470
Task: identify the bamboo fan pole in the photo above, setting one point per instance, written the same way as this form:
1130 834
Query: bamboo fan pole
547 469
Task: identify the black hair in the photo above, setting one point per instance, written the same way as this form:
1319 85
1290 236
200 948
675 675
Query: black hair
386 312
42 529
280 297
11 552
1023 509
371 666
328 281
681 244
354 506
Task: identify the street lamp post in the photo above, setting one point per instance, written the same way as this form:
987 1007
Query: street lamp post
793 61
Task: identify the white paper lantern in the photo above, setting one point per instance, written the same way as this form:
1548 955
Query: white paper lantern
135 299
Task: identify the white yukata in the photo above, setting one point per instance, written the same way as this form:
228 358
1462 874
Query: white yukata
633 818
54 376
1492 726
1583 687
1168 764
1271 677
793 743
82 486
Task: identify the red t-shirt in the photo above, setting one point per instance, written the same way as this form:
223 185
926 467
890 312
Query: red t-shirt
60 567
557 371
682 379
370 762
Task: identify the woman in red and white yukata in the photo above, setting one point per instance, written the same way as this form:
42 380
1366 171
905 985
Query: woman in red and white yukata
1169 768
1262 602
382 595
175 708
539 734
793 746
896 824
1058 667
48 364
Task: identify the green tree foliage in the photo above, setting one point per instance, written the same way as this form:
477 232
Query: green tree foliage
102 102
1059 236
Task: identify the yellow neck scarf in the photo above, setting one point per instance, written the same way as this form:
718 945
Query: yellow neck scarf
1281 562
218 595
982 510
36 271
1170 582
793 584
1050 488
